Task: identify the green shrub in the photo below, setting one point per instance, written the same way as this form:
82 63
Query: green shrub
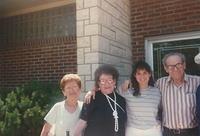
22 110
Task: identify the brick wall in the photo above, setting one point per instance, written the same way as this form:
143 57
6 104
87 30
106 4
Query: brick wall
44 60
158 17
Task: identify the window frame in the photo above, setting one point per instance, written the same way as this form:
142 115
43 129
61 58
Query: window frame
149 41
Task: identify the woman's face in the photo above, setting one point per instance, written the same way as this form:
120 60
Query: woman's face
106 83
71 90
142 76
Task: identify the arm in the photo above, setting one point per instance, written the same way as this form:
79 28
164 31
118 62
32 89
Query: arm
159 116
90 94
160 110
50 120
125 86
85 114
80 126
46 129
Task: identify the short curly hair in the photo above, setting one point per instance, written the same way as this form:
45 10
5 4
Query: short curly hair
108 70
68 78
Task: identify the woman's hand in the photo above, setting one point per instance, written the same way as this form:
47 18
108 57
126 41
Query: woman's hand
79 128
125 85
90 94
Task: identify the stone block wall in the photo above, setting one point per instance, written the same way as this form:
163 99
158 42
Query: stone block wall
103 37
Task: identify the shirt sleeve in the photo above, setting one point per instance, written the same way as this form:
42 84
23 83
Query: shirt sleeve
51 115
87 110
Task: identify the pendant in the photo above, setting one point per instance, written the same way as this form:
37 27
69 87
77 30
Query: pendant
115 115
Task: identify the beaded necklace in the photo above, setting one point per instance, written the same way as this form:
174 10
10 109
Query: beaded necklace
114 109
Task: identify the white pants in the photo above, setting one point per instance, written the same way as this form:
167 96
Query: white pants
154 131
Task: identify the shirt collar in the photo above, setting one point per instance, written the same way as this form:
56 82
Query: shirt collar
169 80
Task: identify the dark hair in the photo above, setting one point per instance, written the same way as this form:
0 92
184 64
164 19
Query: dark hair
108 70
140 65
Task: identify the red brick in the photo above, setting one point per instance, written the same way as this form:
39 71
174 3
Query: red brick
44 60
158 17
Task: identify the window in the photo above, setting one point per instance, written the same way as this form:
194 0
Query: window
157 47
49 23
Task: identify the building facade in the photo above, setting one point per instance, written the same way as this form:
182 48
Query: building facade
44 41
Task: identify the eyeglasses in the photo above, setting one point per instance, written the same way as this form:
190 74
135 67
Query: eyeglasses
103 82
177 66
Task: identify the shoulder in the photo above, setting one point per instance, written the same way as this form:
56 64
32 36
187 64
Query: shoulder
99 96
58 104
131 90
121 99
93 102
162 79
155 89
98 93
54 111
192 77
161 82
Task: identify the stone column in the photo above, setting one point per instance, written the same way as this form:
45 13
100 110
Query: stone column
103 37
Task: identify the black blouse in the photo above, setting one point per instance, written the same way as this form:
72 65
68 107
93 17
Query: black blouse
99 116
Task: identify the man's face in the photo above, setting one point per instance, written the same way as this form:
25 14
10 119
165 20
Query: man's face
175 67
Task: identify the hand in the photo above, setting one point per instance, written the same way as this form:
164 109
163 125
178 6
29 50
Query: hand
125 85
90 94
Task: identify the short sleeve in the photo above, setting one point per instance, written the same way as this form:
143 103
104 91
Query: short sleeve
52 114
87 110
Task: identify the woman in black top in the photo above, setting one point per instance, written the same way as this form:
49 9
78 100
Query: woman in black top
106 114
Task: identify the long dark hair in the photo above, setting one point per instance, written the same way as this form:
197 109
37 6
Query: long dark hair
140 65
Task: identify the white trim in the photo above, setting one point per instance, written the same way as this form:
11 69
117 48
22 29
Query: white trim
164 38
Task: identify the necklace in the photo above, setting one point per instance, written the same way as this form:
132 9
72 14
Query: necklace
114 109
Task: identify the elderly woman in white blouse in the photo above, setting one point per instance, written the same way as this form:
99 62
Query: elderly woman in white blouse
63 116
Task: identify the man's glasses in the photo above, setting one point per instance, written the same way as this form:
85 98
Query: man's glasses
177 66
